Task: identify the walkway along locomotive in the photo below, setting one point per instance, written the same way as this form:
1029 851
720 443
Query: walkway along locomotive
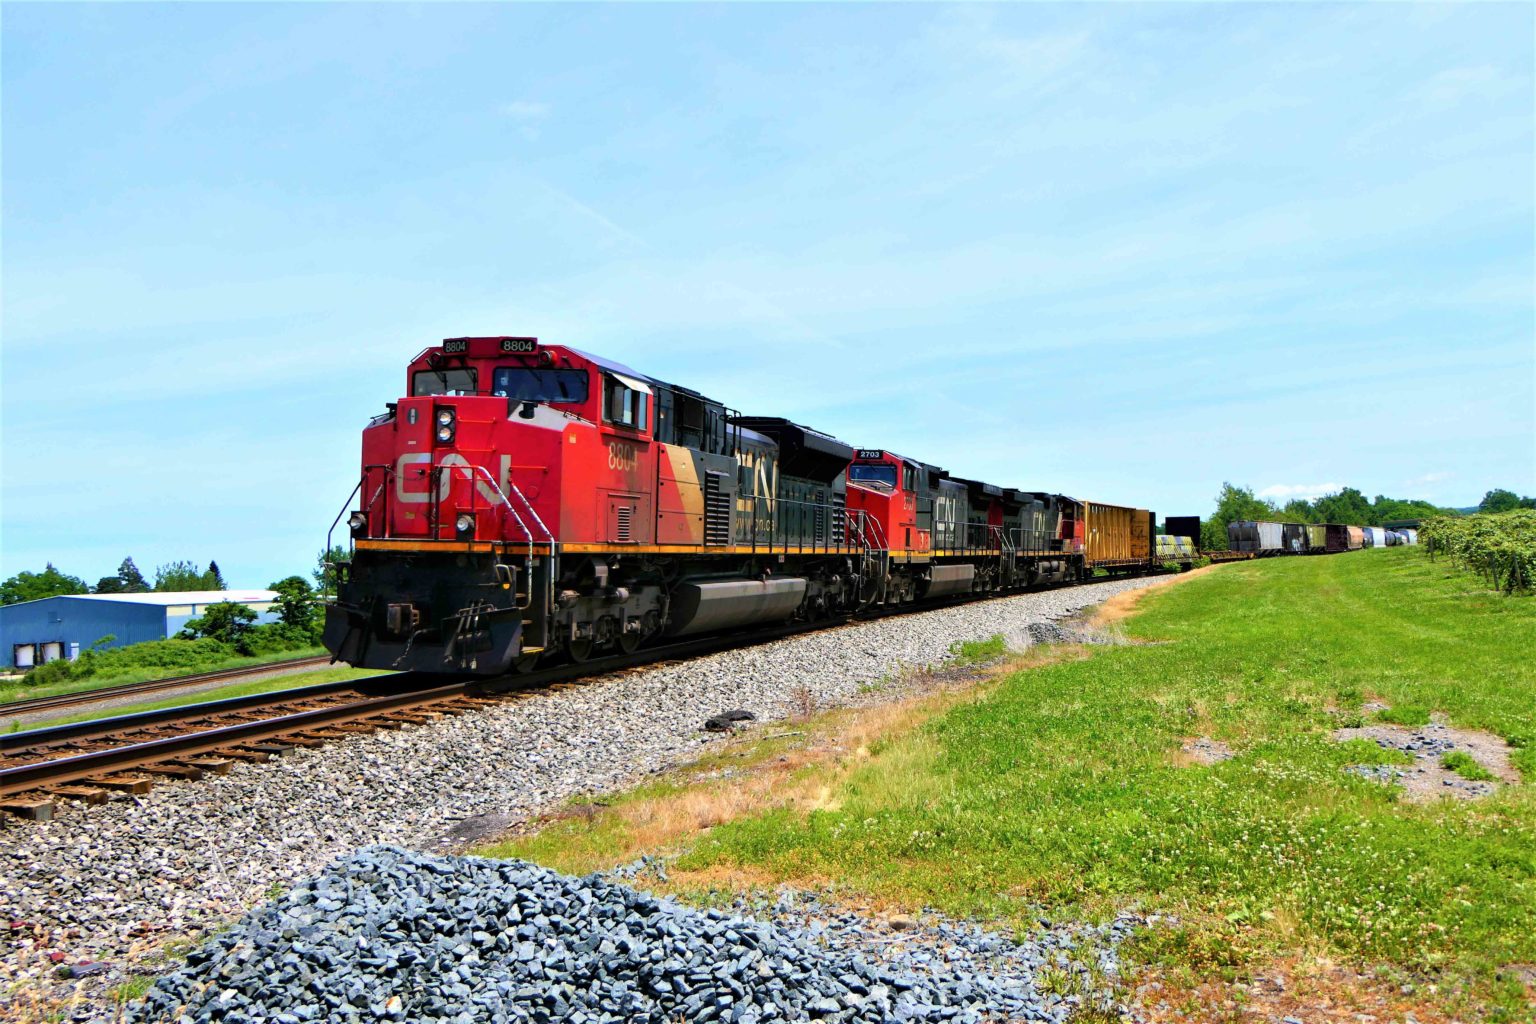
526 502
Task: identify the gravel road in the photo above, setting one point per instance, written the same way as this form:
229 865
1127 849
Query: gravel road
111 883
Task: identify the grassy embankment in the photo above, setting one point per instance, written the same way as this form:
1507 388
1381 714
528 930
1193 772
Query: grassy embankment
14 689
1060 787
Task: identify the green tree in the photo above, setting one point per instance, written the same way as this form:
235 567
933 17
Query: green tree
325 568
109 585
178 576
1499 500
1298 510
1348 507
31 586
225 621
1232 503
213 579
295 604
133 580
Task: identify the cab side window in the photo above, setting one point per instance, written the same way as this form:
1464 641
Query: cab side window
623 405
908 479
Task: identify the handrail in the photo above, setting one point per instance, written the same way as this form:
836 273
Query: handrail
328 534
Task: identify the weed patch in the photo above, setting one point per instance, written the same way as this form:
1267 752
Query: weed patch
974 652
1463 764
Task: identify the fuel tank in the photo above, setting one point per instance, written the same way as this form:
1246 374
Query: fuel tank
708 606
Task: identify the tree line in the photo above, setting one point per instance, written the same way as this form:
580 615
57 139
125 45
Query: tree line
1348 506
174 577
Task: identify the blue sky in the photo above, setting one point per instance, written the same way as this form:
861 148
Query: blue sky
1124 252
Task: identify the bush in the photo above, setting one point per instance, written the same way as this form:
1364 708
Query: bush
175 657
172 657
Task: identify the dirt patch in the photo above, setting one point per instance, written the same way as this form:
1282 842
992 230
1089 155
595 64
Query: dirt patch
1425 779
1316 991
1202 750
1124 603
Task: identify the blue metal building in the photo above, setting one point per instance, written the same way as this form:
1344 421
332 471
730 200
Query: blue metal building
33 632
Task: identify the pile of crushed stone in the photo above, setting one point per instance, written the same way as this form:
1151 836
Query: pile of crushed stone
388 934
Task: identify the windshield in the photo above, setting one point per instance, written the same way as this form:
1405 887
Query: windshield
443 382
881 474
522 384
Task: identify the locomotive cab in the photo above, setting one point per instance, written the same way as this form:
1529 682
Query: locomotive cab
896 493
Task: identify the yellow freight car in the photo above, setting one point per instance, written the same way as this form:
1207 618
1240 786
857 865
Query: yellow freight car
1119 539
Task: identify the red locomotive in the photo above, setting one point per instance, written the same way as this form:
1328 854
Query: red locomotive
528 501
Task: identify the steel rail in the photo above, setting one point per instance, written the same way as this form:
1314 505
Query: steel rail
33 705
22 778
14 741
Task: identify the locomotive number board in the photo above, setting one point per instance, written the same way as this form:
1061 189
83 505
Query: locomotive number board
508 346
869 455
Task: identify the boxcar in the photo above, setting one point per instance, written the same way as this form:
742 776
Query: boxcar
1317 538
1356 537
1337 538
1293 538
1118 538
1259 537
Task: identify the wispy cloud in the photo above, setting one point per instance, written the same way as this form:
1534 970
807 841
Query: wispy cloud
529 115
1453 85
1306 492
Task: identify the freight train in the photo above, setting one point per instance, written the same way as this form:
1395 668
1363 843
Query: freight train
527 502
1261 538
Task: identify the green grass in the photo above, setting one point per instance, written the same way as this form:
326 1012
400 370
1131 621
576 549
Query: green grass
1463 764
284 682
16 690
973 652
1062 788
134 988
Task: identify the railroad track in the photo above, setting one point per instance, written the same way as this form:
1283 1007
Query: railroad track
68 700
90 761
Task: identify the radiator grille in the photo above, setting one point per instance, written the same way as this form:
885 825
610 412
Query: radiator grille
839 518
623 514
717 510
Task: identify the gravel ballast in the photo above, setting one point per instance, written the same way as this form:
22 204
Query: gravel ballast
107 883
387 934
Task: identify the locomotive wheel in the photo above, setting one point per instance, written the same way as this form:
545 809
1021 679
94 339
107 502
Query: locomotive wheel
629 643
579 650
525 664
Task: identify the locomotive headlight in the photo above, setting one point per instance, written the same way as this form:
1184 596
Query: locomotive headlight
465 523
358 522
446 424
